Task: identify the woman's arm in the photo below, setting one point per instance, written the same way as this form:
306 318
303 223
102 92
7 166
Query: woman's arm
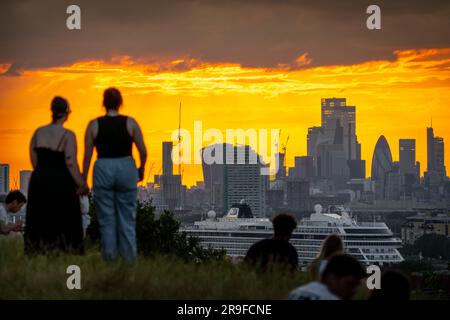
88 147
33 155
138 138
70 152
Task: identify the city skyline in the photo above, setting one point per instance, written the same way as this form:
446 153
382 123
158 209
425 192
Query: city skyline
290 161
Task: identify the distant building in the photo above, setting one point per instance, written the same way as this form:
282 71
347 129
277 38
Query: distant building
357 169
169 185
25 176
275 198
297 194
407 155
243 180
418 225
237 177
336 110
281 173
167 148
364 189
213 174
435 153
381 166
4 178
435 176
303 168
334 147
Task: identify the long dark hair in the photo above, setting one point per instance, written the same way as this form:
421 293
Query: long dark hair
331 245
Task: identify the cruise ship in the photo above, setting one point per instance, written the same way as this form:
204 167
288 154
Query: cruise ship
369 242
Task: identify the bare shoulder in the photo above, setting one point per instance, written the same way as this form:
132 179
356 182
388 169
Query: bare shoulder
131 121
92 124
40 129
70 134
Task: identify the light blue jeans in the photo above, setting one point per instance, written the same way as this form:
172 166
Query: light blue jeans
115 195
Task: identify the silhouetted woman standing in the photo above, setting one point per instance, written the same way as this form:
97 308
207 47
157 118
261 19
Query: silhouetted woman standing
53 218
115 176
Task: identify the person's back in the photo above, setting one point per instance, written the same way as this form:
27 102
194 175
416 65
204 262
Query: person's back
266 252
115 176
340 280
315 290
277 250
113 139
53 220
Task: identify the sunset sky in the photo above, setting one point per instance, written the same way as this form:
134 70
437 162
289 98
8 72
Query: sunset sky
250 64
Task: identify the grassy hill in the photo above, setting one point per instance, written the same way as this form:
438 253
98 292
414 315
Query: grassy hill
158 277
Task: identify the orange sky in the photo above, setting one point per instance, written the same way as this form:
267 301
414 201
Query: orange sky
395 98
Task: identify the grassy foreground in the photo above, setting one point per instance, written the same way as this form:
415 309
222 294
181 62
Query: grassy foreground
150 278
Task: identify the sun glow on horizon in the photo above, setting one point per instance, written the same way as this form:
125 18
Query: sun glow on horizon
395 98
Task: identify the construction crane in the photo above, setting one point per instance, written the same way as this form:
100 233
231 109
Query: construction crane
179 143
285 145
149 173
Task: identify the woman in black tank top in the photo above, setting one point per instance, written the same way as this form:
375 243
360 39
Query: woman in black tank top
113 139
115 176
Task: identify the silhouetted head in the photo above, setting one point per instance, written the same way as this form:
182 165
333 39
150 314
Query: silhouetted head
14 201
112 99
342 276
60 109
331 245
394 286
283 225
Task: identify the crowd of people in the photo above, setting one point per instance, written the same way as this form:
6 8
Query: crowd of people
57 223
334 274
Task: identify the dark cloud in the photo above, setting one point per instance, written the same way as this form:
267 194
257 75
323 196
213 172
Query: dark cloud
253 33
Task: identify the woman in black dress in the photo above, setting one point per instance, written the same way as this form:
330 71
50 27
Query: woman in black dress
53 218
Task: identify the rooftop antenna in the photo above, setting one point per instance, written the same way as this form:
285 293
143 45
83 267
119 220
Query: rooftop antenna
179 143
15 184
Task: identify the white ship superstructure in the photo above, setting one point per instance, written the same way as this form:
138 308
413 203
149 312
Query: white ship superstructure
369 242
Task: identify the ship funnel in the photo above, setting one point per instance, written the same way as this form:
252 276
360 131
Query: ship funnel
318 209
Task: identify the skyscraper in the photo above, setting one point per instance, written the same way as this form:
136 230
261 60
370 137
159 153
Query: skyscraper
435 154
303 168
213 174
407 155
336 110
167 148
430 149
170 185
381 166
4 178
297 194
281 173
334 146
236 178
243 180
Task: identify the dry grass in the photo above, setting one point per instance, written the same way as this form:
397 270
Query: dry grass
156 278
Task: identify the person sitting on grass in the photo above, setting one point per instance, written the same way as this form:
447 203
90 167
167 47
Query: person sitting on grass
277 249
340 280
13 203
